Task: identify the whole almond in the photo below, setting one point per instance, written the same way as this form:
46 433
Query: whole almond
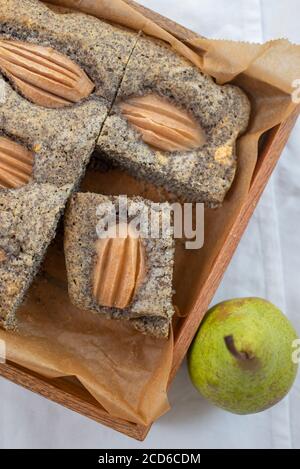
163 125
119 270
43 75
16 164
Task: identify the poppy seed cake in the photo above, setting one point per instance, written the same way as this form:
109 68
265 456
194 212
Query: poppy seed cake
28 221
63 139
150 309
157 72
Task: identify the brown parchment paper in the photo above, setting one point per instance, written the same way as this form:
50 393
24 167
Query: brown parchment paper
126 372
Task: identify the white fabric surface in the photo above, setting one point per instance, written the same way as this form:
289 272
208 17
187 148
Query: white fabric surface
267 264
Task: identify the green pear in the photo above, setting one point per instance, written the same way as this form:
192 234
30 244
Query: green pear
241 357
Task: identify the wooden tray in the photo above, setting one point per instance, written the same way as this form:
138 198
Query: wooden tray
69 392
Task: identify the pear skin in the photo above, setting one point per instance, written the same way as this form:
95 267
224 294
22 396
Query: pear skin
241 357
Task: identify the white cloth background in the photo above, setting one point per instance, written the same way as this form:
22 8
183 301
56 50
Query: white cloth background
267 264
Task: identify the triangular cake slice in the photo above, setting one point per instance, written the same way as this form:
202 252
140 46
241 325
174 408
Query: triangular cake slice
28 221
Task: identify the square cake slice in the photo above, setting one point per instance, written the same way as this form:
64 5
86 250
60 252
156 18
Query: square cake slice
174 126
28 222
120 256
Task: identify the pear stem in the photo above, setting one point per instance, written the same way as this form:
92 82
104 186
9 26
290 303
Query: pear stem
229 341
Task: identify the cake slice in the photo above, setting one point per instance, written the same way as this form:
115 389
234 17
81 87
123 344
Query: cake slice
174 126
77 57
60 140
28 221
113 268
101 49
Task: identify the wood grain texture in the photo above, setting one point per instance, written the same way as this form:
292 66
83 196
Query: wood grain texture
72 395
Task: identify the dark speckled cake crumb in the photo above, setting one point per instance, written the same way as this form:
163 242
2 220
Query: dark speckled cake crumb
28 221
201 175
63 139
